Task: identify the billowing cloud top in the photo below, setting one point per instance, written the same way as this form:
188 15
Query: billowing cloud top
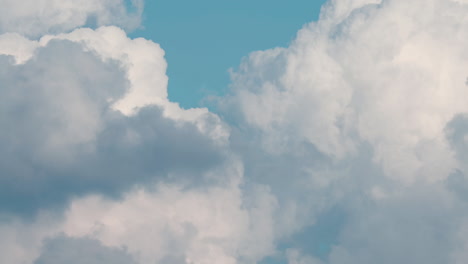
349 146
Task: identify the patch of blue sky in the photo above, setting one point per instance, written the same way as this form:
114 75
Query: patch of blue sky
204 39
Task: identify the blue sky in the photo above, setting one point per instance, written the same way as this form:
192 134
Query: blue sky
203 39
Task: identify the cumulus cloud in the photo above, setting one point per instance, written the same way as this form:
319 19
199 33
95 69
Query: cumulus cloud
164 223
35 18
81 142
217 225
347 146
366 71
365 103
86 120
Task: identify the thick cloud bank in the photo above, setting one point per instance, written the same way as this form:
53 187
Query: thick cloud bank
62 136
349 146
371 98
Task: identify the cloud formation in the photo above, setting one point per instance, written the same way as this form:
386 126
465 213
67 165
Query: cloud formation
81 143
377 75
376 88
348 146
36 18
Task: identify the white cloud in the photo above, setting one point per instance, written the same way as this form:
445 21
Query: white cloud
36 17
348 146
18 46
391 74
216 225
141 60
162 224
97 103
360 113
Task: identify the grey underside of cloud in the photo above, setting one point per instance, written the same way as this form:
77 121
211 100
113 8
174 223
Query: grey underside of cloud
295 104
349 146
63 249
420 225
50 104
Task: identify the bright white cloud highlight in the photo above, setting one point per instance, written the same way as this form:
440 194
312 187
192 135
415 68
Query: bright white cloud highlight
391 74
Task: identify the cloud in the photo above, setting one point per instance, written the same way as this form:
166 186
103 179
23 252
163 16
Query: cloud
106 142
81 143
159 223
374 73
354 115
36 18
295 257
418 225
217 224
347 146
73 250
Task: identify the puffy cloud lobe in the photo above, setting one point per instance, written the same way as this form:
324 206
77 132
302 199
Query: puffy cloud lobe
161 224
142 60
145 68
216 225
18 46
80 95
391 74
360 111
35 18
62 135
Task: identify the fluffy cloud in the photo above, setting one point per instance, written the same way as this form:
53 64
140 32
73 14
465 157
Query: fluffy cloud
86 120
163 223
81 143
365 104
34 18
391 74
346 147
217 225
